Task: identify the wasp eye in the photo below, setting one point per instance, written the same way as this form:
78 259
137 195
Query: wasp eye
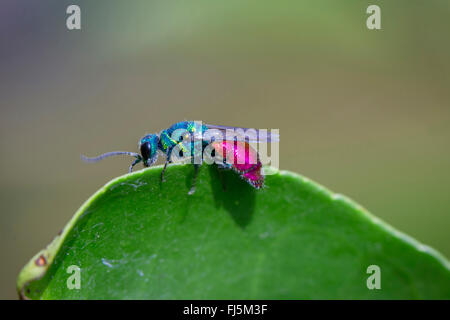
146 150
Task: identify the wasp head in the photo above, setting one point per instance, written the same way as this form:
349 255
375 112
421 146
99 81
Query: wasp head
148 146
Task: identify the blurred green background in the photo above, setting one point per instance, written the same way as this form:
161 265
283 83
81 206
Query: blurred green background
365 113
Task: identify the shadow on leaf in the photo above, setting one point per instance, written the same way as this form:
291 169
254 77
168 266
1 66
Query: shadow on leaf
235 195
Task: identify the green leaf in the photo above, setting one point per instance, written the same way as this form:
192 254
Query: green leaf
138 238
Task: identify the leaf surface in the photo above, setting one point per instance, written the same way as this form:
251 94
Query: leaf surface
138 238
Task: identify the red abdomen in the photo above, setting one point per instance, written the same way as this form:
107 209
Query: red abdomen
243 159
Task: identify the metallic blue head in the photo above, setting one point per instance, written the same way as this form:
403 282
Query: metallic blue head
148 145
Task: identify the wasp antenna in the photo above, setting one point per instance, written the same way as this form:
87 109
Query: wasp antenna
110 154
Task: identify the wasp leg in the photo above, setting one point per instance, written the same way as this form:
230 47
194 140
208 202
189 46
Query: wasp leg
194 179
169 153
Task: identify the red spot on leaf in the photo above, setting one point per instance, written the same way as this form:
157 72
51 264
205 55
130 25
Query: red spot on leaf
41 261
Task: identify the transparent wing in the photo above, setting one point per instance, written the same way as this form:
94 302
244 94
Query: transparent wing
244 134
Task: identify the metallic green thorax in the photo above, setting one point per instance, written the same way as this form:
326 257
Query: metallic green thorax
173 136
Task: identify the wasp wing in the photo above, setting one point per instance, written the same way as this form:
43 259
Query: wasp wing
244 134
